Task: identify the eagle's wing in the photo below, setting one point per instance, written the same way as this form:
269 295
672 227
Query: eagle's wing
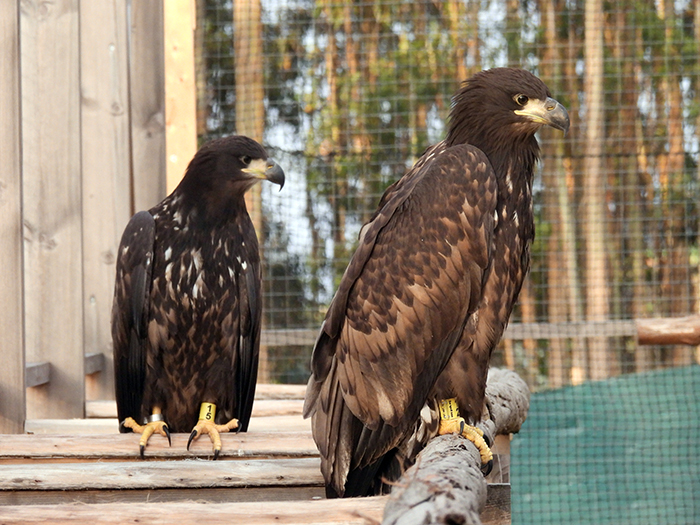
400 309
248 348
130 312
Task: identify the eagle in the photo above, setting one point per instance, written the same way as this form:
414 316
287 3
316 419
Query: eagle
403 352
187 300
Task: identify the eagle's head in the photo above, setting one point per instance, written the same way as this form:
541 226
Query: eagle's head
502 107
223 170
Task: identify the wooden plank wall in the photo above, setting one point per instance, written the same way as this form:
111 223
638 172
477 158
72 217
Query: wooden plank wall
106 203
12 396
51 203
147 97
179 23
83 145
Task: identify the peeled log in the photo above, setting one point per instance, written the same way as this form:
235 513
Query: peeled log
446 484
669 331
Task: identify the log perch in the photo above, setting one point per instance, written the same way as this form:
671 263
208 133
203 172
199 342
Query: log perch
446 485
669 331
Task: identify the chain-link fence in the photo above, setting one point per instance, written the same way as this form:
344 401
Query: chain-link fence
355 91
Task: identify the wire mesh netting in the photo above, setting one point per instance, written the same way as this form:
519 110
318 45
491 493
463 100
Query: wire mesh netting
354 92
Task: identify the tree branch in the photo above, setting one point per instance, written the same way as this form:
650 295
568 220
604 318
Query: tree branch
446 484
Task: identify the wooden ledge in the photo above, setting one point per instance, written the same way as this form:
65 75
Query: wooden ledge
48 447
361 511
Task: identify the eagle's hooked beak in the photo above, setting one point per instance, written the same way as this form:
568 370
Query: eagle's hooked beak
266 170
548 112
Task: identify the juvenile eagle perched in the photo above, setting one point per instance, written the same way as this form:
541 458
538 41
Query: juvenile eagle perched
187 300
405 346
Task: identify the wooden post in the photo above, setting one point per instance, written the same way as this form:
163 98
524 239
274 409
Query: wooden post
669 331
12 393
180 21
147 95
51 204
104 82
250 107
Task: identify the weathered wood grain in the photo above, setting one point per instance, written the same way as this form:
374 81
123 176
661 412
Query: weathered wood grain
132 496
47 447
106 188
362 511
185 474
110 426
12 391
147 88
51 204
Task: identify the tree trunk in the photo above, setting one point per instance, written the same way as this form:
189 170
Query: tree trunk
250 109
594 197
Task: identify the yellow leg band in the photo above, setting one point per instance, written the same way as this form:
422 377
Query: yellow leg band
207 411
451 423
449 408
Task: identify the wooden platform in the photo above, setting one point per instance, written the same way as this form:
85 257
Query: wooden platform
84 471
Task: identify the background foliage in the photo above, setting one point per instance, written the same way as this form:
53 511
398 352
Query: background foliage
355 91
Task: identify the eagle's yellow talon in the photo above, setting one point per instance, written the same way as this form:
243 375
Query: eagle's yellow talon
473 434
147 430
214 430
451 423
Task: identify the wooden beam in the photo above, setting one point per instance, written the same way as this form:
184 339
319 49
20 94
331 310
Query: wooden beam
124 447
671 331
51 204
572 330
272 391
37 374
180 22
109 425
95 362
106 182
12 391
162 495
181 474
348 512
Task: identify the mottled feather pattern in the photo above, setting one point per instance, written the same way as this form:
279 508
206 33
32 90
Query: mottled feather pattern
130 311
196 304
199 301
425 280
430 288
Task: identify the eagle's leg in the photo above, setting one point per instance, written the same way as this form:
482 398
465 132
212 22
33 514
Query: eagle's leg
451 423
206 425
155 423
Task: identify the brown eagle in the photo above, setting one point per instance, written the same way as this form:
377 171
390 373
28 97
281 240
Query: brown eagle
187 300
429 290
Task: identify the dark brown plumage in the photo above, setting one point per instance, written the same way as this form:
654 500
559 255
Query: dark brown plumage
430 288
187 301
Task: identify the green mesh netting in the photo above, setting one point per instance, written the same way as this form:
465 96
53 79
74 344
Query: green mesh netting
622 451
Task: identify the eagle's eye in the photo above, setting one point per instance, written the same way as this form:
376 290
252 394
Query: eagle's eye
521 99
245 159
